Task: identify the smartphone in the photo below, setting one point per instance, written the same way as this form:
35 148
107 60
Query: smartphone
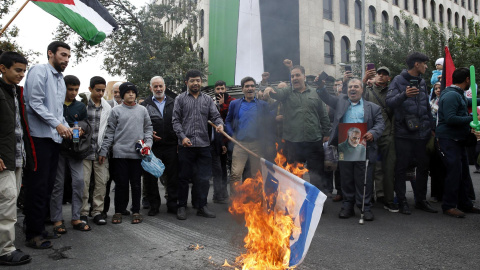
322 76
370 66
414 83
348 68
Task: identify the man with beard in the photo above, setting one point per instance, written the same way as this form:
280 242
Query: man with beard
351 149
305 124
117 100
191 111
45 92
160 109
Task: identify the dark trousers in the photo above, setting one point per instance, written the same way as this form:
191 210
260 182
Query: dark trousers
437 173
312 153
168 155
39 185
407 150
386 146
194 163
353 178
127 171
457 179
219 181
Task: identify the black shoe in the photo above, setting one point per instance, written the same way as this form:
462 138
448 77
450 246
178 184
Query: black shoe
471 210
104 215
425 206
153 211
145 203
368 215
84 219
404 209
181 213
344 213
204 212
393 208
99 220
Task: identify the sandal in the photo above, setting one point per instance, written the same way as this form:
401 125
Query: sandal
60 229
81 227
137 218
117 218
38 242
99 220
47 235
16 257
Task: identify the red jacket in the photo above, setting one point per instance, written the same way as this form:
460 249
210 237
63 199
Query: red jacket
224 107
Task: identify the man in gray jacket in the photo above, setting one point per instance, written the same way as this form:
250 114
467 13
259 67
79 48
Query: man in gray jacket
352 108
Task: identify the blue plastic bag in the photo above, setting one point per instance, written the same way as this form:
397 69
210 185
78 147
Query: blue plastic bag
153 165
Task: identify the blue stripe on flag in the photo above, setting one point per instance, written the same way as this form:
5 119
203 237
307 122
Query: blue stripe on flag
305 215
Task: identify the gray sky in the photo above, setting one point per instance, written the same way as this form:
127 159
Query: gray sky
36 28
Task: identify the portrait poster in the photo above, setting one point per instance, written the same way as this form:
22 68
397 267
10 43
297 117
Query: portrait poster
351 144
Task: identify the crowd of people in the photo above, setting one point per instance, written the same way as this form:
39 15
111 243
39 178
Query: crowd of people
48 128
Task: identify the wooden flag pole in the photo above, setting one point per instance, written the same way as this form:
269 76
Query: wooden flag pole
13 18
235 141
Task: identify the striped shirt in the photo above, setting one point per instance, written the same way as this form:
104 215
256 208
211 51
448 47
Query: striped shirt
94 114
190 116
20 156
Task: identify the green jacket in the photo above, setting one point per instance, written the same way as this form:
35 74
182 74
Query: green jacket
305 118
453 117
8 139
387 112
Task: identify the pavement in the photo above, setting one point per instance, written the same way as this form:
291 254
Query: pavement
392 241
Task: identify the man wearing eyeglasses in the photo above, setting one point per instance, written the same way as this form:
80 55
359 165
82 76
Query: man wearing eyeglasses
246 122
98 111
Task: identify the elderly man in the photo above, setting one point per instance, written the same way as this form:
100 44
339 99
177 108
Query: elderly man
352 108
117 100
351 149
160 109
305 124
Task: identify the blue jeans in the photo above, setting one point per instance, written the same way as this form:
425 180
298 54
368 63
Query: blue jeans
194 163
457 179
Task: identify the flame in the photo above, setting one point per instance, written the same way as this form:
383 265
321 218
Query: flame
195 247
268 239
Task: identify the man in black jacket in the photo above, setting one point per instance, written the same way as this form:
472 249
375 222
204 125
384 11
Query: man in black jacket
160 109
15 153
407 96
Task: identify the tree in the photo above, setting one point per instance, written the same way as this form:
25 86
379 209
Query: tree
391 47
7 39
141 48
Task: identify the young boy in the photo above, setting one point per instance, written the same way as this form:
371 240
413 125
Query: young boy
127 124
98 111
73 111
15 153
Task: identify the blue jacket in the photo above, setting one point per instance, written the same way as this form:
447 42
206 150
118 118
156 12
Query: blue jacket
403 105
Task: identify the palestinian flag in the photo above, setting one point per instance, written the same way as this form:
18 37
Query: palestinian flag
88 18
249 37
448 69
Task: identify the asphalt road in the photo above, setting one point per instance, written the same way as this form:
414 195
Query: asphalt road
393 241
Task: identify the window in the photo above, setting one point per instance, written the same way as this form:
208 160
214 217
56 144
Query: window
424 8
469 4
463 3
344 11
432 9
405 4
440 14
396 23
201 55
195 29
327 9
476 6
395 2
202 20
372 13
384 20
457 18
464 24
358 14
415 7
449 18
345 49
328 42
358 47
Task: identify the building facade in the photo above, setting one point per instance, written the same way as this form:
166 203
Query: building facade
328 29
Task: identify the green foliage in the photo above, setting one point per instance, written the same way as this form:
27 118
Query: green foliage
7 39
391 46
141 48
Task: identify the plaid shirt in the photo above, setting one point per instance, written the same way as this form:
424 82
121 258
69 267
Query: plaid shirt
94 114
20 156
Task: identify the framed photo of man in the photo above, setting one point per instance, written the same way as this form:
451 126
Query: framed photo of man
352 146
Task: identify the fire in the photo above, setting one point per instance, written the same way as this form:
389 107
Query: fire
268 239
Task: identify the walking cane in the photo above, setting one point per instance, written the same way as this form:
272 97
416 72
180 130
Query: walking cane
364 190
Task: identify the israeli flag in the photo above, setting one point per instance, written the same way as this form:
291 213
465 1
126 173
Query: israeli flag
305 213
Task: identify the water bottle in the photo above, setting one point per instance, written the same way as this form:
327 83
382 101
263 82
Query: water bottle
76 132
